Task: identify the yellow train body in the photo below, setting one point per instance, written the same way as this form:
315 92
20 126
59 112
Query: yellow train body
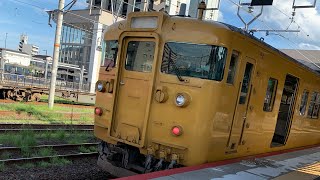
257 106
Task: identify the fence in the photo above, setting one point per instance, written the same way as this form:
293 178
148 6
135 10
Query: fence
22 80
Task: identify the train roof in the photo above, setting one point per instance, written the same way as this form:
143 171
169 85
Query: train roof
309 66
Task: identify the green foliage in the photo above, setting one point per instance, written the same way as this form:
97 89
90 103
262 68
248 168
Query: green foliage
85 118
26 151
89 149
46 152
47 135
43 114
83 149
27 138
27 165
61 135
5 155
2 167
93 149
79 137
43 164
59 161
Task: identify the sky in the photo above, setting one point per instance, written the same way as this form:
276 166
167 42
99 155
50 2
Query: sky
17 17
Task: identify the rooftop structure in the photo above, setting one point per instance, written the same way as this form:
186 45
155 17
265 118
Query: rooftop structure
27 48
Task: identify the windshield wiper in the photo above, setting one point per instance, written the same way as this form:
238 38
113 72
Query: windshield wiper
176 70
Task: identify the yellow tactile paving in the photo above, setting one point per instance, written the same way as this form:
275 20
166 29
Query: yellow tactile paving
308 172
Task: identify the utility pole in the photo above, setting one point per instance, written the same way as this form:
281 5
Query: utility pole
56 54
5 41
46 68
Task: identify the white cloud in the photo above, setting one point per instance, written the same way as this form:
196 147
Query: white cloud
308 46
306 20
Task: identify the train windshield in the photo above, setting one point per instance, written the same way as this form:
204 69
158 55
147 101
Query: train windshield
194 60
110 50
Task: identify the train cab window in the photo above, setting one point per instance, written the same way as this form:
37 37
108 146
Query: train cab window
194 60
313 111
109 56
232 67
140 55
303 105
270 95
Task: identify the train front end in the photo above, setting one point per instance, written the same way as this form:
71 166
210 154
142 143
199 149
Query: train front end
156 92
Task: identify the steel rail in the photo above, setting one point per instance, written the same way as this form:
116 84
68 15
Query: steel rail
54 147
75 156
43 130
46 126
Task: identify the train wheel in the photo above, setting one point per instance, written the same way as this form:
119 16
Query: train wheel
9 94
36 97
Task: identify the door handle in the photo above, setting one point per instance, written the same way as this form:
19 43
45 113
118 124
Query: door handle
121 83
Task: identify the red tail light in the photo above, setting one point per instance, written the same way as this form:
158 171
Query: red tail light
176 130
98 111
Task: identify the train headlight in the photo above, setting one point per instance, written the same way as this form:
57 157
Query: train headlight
101 86
182 99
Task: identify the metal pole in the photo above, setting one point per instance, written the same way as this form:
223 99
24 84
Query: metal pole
46 71
56 54
5 41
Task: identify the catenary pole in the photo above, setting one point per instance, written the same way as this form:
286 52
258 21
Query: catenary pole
56 54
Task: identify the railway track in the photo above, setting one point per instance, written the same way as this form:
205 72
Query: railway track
54 147
73 156
71 149
43 127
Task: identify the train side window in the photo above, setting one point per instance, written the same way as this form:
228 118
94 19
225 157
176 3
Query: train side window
245 83
313 111
270 95
303 105
232 67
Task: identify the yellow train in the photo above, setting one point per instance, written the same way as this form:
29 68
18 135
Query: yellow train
178 91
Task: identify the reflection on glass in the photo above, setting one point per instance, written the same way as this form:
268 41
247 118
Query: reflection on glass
110 50
140 55
194 60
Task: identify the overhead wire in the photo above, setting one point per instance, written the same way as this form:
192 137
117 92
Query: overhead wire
299 26
280 36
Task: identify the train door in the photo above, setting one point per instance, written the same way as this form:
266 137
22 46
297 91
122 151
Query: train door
286 111
241 108
134 91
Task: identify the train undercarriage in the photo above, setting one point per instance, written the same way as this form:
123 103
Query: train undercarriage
123 160
20 94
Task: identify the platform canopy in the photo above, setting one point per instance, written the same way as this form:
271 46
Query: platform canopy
261 2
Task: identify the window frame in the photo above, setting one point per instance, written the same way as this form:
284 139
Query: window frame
313 103
151 40
235 72
192 43
103 54
273 95
305 92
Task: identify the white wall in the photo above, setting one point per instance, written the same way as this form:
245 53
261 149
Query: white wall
16 58
208 15
95 57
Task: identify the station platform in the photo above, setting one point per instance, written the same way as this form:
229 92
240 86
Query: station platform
294 164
